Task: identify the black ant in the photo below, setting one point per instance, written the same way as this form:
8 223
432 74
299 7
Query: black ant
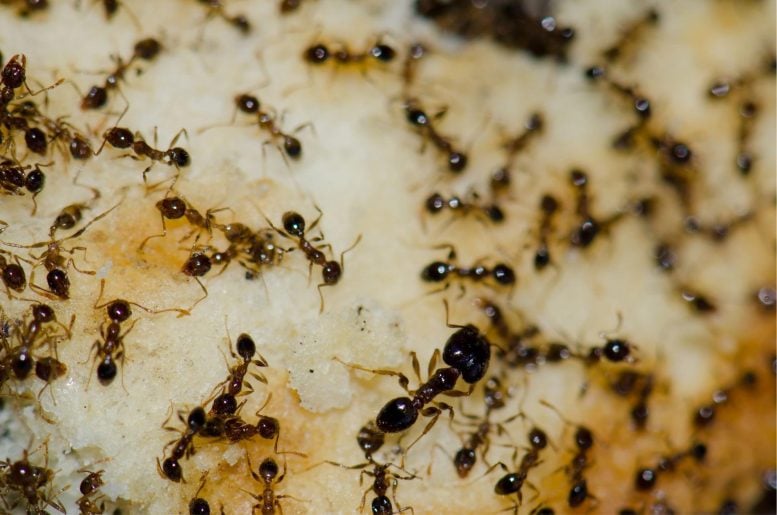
28 480
748 111
467 354
183 447
97 96
422 122
435 203
294 228
584 440
440 271
249 104
415 52
122 138
89 485
718 231
289 6
319 53
512 483
267 473
216 8
630 35
645 478
198 505
502 177
549 206
697 301
585 233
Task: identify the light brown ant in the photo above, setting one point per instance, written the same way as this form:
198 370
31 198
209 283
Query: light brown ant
216 8
501 179
319 53
267 121
645 478
97 96
440 271
589 228
436 203
267 473
512 483
549 206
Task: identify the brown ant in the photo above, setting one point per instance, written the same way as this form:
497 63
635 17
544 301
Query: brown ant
706 413
246 350
89 485
183 447
289 6
585 233
512 483
267 121
97 96
423 123
28 7
122 138
440 271
267 473
383 478
319 54
198 505
645 478
294 228
584 440
549 206
56 264
216 8
479 439
718 231
502 177
28 481
175 208
467 353
629 381
436 203
630 34
14 179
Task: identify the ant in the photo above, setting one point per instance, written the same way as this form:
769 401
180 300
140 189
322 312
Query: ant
584 440
706 414
28 480
122 138
97 96
765 296
549 206
266 120
417 117
289 6
198 505
216 8
630 35
439 271
626 383
195 422
15 178
585 233
748 111
512 482
466 457
28 7
698 302
89 485
175 208
383 478
645 478
267 473
467 353
319 54
502 177
246 350
435 203
294 229
370 439
718 231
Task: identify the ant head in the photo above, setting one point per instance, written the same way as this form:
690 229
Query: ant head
294 223
171 469
503 274
224 405
616 350
268 427
578 178
317 54
197 265
147 49
248 104
42 313
383 52
118 310
199 506
180 157
196 419
468 351
246 348
538 439
435 203
172 208
457 161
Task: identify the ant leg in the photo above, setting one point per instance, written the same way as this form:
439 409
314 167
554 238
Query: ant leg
433 362
204 289
428 412
403 380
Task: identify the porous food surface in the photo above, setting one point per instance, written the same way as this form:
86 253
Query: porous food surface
547 228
